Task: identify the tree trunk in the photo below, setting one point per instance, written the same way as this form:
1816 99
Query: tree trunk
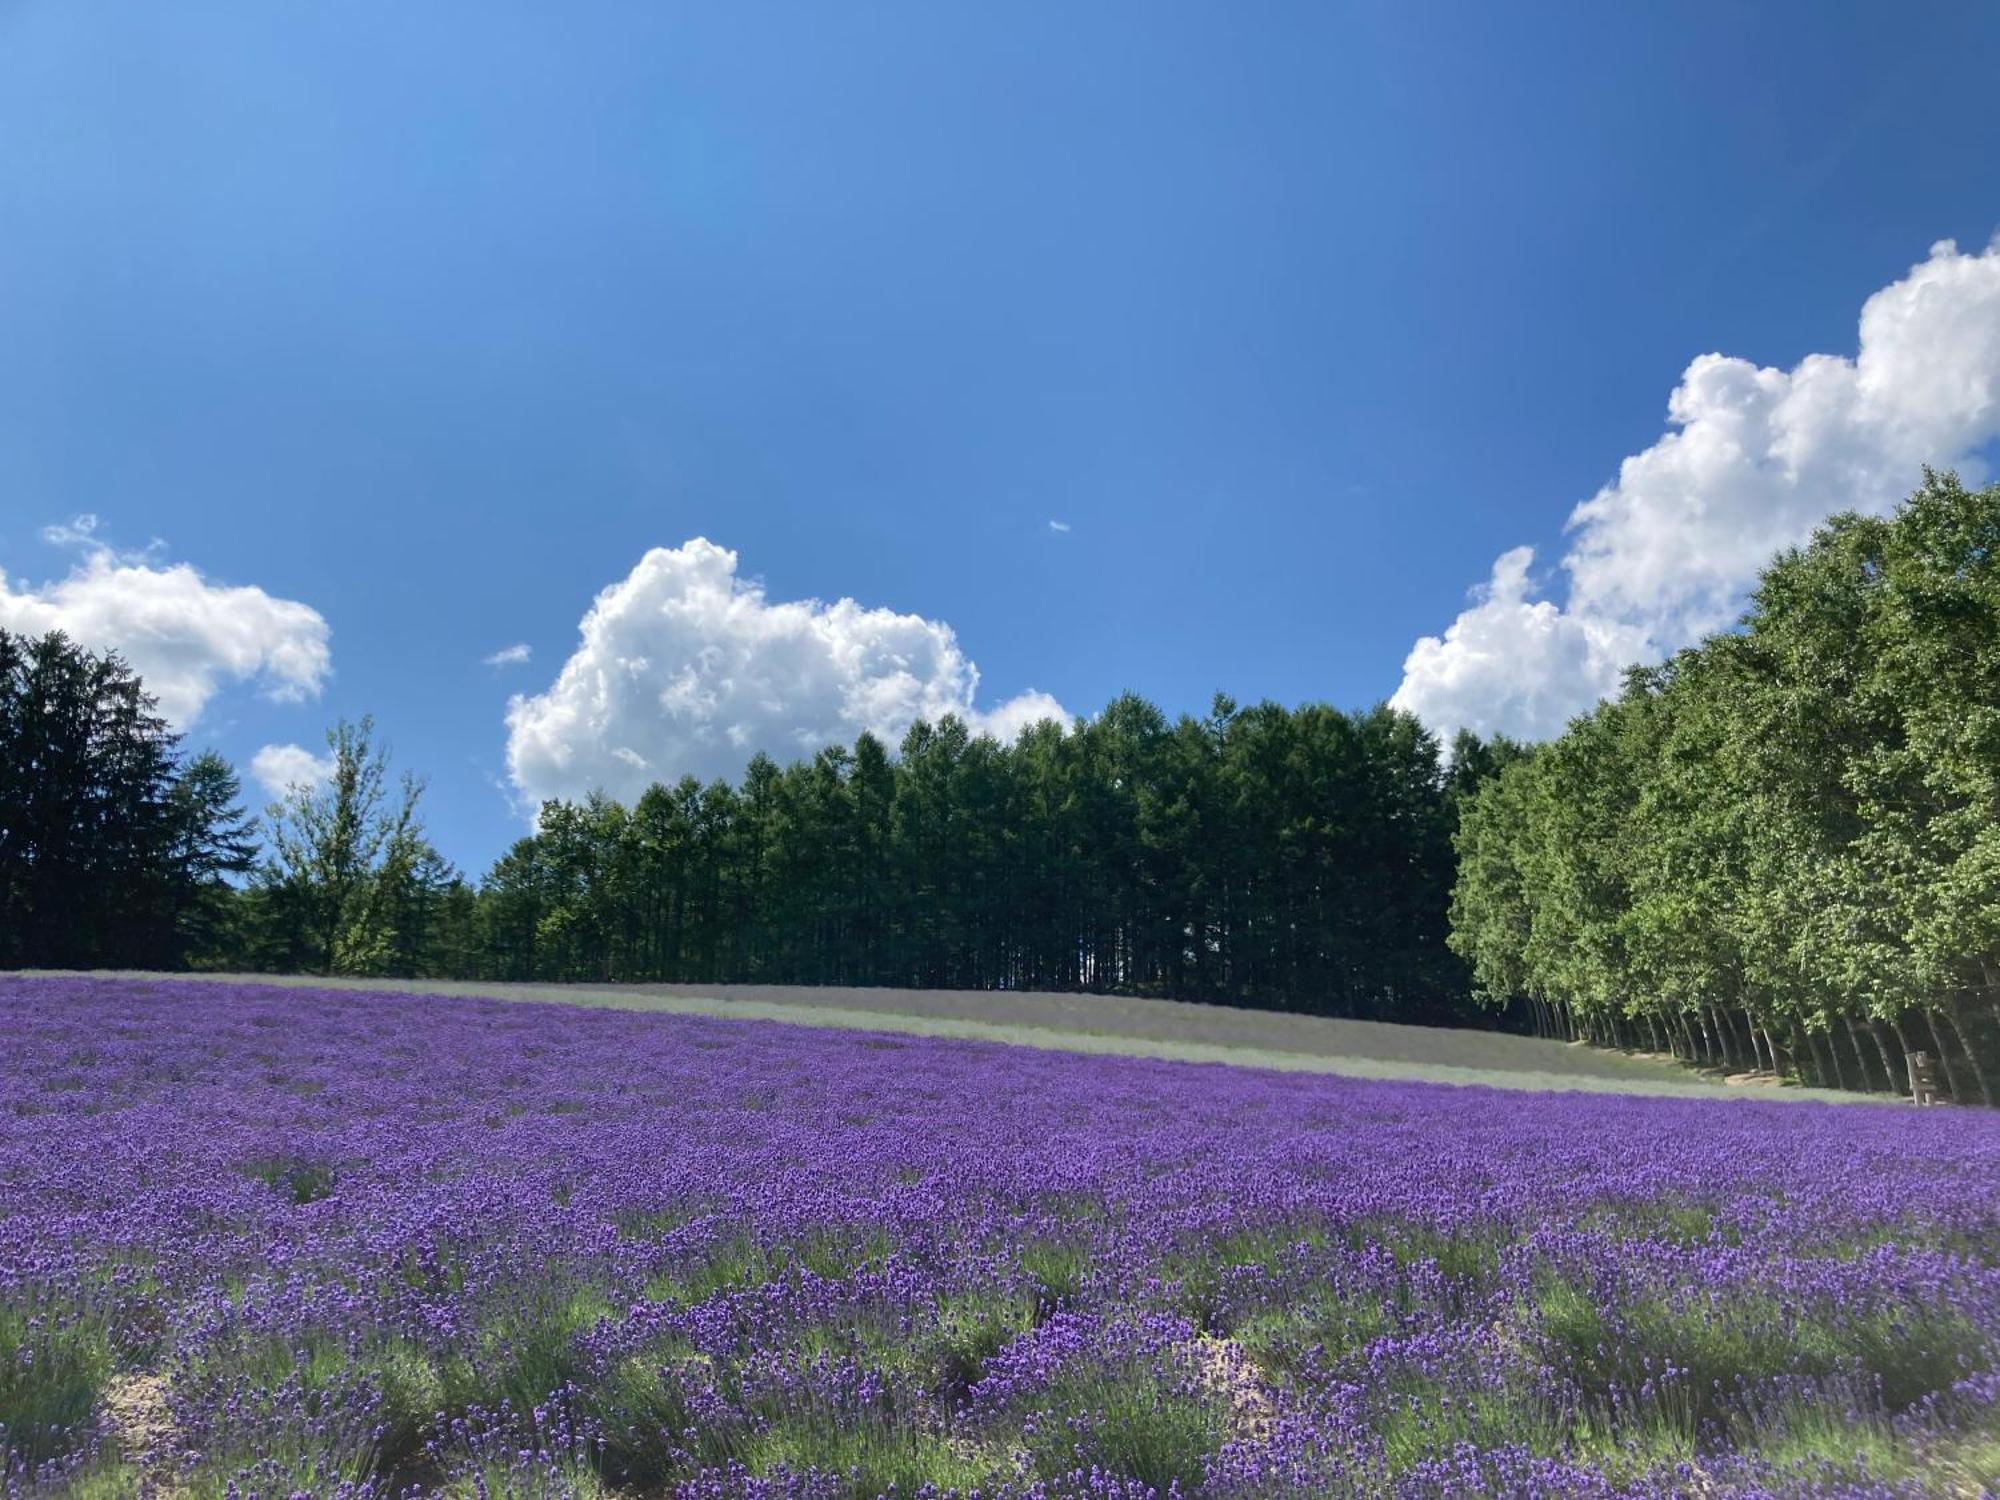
1860 1055
1865 1061
1833 1052
1765 1061
1944 1057
1780 1056
1725 1043
1741 1024
1810 1048
1972 1058
1881 1046
1896 1027
1767 1056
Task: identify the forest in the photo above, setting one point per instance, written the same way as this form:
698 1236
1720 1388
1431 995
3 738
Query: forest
1290 858
1778 850
1781 848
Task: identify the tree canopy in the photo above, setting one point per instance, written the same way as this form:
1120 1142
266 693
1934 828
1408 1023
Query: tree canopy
1782 847
114 850
1298 858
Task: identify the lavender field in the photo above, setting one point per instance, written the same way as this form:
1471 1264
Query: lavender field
264 1242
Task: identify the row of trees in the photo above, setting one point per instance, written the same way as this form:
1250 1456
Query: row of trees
115 849
1265 856
119 850
1780 849
1289 858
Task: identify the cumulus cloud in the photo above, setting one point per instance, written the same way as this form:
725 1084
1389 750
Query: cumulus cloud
1753 459
1515 664
684 667
183 634
510 656
279 768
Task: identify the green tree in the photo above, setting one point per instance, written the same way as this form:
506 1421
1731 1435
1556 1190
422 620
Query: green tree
342 854
113 851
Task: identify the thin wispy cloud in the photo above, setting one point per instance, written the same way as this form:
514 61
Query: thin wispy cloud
1059 526
510 656
77 531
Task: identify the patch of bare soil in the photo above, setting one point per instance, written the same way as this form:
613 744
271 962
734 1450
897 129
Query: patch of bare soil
1753 1080
1226 1368
136 1411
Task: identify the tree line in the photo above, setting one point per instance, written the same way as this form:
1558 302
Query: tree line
118 849
1781 848
1778 850
1296 858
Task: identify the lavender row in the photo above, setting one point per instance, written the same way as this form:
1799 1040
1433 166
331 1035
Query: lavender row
276 1242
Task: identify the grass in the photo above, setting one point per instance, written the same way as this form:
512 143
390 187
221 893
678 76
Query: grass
967 1329
1724 1343
1318 1329
875 1458
300 1180
1145 1425
1124 1025
54 1364
1058 1269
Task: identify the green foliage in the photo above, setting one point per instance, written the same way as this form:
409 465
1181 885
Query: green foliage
1779 849
1314 1330
524 1356
735 1263
301 1179
1150 1421
873 1457
967 1329
53 1366
350 884
1719 1345
113 851
1297 858
1057 1268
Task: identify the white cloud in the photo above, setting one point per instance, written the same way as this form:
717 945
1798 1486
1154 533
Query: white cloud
77 531
1755 458
1514 664
685 667
279 768
510 656
184 635
1059 526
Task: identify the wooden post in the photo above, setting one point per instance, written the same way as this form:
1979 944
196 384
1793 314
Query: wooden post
1923 1078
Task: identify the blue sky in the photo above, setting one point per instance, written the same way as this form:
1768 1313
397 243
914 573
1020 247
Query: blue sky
434 319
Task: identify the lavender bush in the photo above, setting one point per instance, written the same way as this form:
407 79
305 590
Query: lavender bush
278 1242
